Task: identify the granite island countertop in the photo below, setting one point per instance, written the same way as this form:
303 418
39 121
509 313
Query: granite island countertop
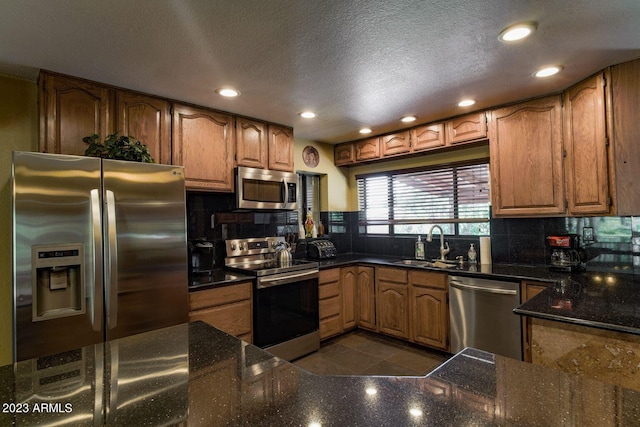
194 374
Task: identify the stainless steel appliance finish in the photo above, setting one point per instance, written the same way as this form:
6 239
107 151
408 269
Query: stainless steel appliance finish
266 189
285 296
481 316
118 231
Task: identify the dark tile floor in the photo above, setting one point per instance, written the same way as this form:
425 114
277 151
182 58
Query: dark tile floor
366 353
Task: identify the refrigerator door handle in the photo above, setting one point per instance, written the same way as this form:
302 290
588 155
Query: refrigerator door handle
95 287
112 263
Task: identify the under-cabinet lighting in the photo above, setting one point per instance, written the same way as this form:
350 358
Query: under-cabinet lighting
517 32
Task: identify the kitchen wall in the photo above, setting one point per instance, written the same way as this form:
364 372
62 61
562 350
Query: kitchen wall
18 132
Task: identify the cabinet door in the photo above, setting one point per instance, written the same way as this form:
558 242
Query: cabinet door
280 148
348 280
471 127
526 159
427 137
251 143
392 302
625 96
396 143
366 299
344 154
148 119
368 149
430 317
203 143
587 161
71 109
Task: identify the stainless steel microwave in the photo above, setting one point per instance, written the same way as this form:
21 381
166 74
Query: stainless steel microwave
266 189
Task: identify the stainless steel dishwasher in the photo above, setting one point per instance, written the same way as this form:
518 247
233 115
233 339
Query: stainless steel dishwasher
481 315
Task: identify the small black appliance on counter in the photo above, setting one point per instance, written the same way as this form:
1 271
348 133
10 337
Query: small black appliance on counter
566 253
201 257
319 248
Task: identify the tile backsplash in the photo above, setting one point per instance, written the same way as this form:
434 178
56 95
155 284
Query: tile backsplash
615 240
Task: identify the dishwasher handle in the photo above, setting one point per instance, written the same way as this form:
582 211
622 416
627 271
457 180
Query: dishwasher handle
463 286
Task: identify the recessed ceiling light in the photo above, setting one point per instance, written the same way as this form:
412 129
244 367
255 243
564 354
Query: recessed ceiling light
466 103
548 71
227 92
365 130
517 32
308 114
408 119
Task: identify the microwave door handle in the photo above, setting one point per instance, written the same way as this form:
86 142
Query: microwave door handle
284 192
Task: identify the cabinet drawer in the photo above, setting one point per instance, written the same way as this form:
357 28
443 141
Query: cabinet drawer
396 275
330 327
328 276
329 290
234 319
329 307
429 279
218 296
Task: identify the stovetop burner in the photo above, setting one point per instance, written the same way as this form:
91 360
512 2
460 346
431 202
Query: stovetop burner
257 256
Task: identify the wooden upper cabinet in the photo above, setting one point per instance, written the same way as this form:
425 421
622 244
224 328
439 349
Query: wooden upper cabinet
251 143
625 96
586 145
395 143
203 142
526 159
367 149
71 109
148 119
344 154
471 127
280 148
427 137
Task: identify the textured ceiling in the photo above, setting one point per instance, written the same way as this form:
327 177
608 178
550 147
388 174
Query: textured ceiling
355 63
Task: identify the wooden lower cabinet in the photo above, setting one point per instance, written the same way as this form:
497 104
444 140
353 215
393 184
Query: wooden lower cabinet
429 309
392 301
329 303
366 298
348 281
228 308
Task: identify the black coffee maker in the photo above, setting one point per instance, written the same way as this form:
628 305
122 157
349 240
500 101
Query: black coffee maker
566 253
201 257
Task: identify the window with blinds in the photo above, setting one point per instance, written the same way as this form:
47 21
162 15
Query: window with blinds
456 197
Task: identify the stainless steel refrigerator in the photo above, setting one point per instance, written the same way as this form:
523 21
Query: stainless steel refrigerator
99 250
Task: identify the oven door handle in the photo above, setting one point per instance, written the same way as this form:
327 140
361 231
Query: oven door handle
278 279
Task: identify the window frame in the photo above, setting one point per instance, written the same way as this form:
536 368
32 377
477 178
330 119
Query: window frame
391 221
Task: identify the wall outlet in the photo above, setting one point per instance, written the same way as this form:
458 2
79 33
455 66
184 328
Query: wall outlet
587 234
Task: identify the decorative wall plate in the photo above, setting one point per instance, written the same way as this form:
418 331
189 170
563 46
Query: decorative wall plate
310 156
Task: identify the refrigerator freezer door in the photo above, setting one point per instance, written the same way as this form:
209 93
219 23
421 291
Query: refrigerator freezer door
145 240
56 305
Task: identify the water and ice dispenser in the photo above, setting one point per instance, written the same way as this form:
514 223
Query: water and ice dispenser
58 280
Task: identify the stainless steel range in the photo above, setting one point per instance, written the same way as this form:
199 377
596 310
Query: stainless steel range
285 296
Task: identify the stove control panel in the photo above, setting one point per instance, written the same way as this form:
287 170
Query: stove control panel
253 246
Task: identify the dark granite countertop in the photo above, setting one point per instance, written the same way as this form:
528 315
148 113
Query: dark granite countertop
197 375
219 277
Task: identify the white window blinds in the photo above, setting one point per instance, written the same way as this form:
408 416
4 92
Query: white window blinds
409 202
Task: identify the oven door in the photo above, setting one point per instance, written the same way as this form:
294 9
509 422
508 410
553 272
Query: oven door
285 306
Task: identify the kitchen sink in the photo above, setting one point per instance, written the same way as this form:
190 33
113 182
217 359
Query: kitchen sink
423 263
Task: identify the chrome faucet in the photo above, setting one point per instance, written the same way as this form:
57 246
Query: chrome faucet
444 246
